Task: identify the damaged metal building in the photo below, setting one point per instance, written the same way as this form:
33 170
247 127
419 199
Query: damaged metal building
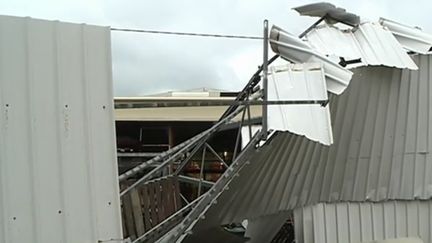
342 154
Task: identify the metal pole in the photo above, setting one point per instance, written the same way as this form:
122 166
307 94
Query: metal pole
217 155
312 26
249 119
265 80
202 170
238 135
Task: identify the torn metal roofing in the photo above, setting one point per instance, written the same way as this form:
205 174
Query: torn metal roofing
304 81
412 38
330 11
370 42
294 49
381 151
353 222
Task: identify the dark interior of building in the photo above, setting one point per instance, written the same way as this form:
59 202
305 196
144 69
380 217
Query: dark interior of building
139 141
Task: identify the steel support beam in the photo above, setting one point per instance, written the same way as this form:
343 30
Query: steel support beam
211 195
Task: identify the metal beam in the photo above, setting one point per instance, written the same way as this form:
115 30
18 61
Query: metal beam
265 79
136 154
211 195
253 81
234 125
216 154
167 224
194 181
196 103
180 152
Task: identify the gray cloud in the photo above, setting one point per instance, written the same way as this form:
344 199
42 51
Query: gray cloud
146 63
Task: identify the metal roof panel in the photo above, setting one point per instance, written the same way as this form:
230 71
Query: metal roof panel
322 9
412 38
294 49
370 42
300 82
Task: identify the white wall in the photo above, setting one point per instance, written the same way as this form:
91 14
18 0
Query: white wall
58 168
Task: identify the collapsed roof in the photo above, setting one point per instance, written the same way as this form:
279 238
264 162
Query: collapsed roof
381 126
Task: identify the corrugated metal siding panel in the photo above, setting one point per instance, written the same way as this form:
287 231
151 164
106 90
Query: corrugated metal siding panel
57 142
381 151
369 41
352 222
304 81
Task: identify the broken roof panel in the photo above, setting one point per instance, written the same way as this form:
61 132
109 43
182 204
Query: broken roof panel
380 152
300 82
369 42
412 38
294 49
329 10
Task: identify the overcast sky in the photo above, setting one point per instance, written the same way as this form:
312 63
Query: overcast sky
148 63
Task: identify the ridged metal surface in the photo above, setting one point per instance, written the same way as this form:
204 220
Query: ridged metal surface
58 168
381 151
296 50
363 222
412 38
322 9
304 81
371 42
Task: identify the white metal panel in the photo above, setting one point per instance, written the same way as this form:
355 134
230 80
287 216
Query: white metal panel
399 240
371 42
412 38
304 81
330 11
57 142
294 49
353 222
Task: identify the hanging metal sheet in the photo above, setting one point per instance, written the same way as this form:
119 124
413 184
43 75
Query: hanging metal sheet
353 222
370 42
58 168
381 151
299 82
412 38
330 11
294 49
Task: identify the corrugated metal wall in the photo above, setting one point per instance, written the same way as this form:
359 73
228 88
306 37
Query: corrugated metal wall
58 169
381 151
363 222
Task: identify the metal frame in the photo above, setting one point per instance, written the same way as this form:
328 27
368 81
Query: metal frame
265 79
181 154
